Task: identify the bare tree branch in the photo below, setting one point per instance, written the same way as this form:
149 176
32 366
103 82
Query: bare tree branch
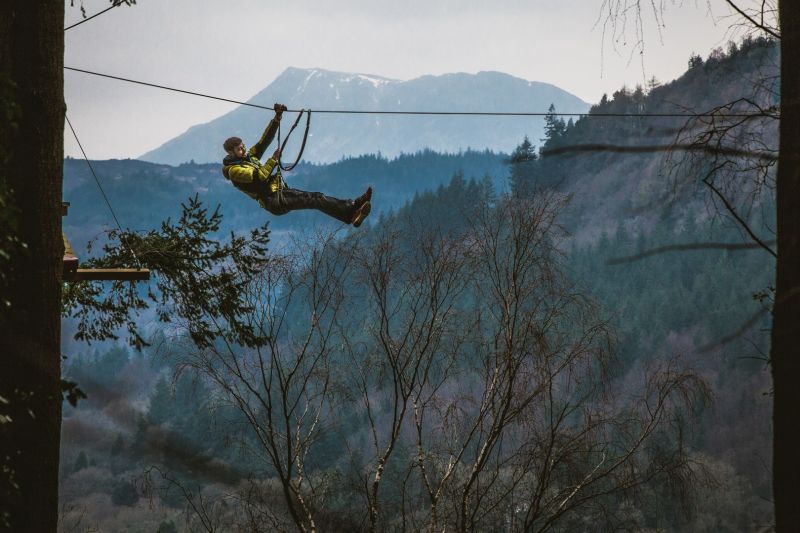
760 25
687 247
719 151
739 219
741 330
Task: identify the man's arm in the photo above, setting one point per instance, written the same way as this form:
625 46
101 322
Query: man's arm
260 147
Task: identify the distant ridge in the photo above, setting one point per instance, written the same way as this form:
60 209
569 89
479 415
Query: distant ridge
336 136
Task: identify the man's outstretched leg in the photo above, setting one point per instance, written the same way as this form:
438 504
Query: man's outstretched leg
347 211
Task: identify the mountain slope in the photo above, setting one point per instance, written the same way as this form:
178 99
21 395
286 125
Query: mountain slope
613 185
334 136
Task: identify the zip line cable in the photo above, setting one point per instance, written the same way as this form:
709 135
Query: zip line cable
103 192
115 4
443 113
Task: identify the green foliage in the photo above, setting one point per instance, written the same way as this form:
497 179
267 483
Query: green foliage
198 278
554 128
705 293
522 159
446 209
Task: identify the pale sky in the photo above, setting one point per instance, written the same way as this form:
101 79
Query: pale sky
234 49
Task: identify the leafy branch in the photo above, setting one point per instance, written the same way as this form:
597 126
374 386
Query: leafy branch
199 281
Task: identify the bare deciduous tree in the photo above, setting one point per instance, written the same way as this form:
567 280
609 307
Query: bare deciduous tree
484 375
406 354
282 386
476 380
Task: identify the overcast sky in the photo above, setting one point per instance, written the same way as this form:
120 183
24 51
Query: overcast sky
234 49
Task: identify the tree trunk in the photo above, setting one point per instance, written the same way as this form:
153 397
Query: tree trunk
785 354
31 161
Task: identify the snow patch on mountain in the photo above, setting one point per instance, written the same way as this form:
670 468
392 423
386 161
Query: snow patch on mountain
375 81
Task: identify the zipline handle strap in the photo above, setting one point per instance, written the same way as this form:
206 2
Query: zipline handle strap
288 168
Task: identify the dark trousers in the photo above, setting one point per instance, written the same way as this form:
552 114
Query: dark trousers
285 200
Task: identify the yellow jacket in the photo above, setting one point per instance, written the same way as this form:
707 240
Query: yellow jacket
249 174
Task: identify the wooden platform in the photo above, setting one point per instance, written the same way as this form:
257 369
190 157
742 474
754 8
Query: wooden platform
107 274
71 272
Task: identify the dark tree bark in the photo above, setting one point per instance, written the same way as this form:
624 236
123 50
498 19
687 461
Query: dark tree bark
31 71
785 351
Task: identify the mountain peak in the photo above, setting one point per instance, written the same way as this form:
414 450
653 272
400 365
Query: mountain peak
310 73
334 136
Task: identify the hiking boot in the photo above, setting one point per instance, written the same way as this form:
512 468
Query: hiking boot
364 198
361 213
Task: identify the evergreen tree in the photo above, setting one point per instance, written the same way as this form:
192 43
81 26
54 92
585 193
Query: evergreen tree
521 161
554 127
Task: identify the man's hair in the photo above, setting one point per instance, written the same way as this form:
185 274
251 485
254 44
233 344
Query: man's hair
231 143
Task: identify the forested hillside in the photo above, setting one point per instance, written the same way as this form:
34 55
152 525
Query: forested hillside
479 354
652 181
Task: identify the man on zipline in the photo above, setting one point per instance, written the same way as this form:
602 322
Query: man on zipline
248 174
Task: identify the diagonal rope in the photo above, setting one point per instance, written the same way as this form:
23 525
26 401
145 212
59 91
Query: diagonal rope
103 192
115 4
154 85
